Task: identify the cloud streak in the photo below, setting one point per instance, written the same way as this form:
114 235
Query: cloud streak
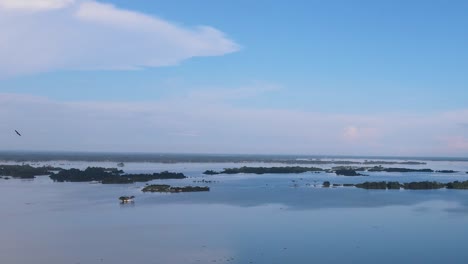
49 35
194 124
36 5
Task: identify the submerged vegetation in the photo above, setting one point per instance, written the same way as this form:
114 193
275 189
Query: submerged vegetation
264 170
353 170
457 185
117 176
25 171
348 172
110 176
89 174
131 178
339 170
211 172
372 185
424 185
380 168
370 162
171 189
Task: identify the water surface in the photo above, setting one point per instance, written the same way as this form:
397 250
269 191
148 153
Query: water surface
243 219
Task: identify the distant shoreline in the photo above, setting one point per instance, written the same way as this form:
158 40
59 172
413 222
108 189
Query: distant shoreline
37 156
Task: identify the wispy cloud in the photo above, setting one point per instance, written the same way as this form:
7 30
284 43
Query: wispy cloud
464 125
193 124
224 95
47 35
35 5
185 134
457 143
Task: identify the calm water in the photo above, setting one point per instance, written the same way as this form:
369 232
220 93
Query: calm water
243 219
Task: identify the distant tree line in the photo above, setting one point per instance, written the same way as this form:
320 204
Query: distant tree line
264 170
25 171
171 189
423 185
110 176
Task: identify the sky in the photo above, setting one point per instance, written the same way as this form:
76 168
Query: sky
386 78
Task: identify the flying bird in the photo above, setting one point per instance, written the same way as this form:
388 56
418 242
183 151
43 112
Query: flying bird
18 133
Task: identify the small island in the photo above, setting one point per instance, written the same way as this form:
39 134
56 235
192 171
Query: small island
110 176
212 172
170 189
204 181
353 171
380 168
265 170
424 185
370 162
340 170
347 172
25 171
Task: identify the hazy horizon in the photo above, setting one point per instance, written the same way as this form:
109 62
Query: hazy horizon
140 156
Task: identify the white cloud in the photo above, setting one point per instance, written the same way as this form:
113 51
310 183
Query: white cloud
359 134
34 5
88 35
350 133
199 125
457 143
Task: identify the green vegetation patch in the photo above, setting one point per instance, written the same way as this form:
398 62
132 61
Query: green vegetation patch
110 176
264 170
348 172
24 171
171 189
424 185
380 168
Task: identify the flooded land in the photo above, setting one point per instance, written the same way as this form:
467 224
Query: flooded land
242 216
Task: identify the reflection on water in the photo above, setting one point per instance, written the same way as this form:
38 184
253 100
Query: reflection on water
243 219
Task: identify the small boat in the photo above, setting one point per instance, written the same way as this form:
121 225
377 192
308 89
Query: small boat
126 199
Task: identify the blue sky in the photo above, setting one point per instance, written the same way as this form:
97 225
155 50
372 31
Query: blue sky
365 59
